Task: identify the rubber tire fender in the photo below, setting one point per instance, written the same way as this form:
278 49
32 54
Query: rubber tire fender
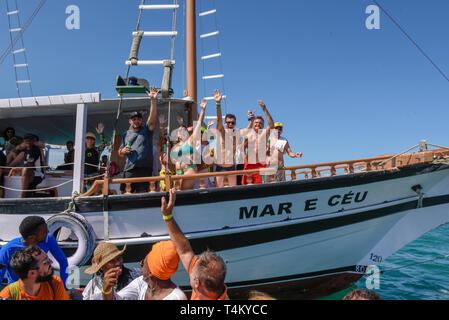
82 229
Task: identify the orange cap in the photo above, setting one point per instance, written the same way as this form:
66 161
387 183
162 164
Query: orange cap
163 260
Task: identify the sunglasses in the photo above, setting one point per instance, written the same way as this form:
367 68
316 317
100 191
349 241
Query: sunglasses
230 122
46 261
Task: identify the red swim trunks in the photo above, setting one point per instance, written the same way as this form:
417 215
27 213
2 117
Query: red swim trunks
256 177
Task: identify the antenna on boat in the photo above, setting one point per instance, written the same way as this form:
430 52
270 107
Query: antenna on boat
209 17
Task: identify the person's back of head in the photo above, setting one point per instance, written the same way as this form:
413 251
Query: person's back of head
211 271
22 261
360 294
258 295
30 226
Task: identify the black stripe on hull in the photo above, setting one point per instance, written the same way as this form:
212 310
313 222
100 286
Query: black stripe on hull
216 195
269 234
295 229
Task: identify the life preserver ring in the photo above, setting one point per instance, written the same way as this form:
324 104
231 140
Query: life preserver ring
83 231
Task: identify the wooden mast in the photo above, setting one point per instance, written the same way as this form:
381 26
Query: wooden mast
191 56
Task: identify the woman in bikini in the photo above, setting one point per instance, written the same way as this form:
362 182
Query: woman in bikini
187 152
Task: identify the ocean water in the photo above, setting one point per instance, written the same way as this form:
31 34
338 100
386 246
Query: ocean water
419 271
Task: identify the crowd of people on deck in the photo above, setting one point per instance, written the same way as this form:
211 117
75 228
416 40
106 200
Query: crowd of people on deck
185 153
30 274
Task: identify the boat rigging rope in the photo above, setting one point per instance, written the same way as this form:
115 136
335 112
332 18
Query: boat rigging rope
413 41
49 167
20 33
399 154
50 188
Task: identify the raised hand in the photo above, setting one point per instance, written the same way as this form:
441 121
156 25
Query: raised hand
100 128
167 208
210 124
251 114
298 154
153 93
218 97
260 102
203 104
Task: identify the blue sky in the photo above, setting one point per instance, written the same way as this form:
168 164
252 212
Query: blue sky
342 91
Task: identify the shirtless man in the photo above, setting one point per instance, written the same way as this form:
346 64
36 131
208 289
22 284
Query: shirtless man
226 144
278 147
256 147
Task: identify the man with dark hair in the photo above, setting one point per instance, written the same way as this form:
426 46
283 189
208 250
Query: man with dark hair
29 156
256 145
208 271
226 144
137 146
34 231
36 279
360 294
69 157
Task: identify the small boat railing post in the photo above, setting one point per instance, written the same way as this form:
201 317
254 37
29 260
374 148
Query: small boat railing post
293 174
152 186
249 179
128 188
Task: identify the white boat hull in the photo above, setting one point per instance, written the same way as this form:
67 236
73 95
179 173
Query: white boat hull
312 236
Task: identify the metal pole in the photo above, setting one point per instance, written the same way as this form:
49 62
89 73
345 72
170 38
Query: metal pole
191 56
80 131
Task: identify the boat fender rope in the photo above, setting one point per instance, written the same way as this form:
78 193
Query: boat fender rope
418 189
134 54
71 207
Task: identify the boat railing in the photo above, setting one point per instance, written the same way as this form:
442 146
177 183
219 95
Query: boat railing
384 162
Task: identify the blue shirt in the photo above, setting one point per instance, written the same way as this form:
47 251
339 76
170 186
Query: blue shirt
141 155
50 244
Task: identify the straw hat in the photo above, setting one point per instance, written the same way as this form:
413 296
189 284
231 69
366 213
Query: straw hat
104 252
